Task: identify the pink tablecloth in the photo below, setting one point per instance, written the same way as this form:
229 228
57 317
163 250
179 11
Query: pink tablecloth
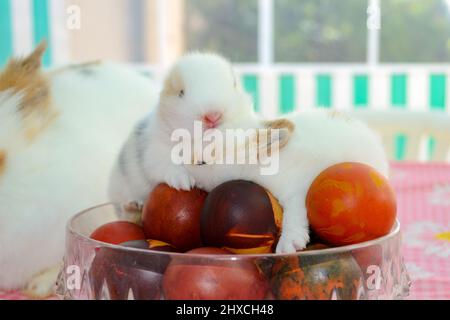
423 194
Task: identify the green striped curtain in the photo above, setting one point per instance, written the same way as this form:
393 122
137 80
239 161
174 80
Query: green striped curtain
360 91
41 25
251 85
286 93
398 90
398 100
323 91
438 91
400 143
437 100
41 29
6 41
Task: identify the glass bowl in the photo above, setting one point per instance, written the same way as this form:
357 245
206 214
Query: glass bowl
97 271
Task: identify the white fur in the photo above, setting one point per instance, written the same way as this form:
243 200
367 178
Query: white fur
320 140
145 161
66 169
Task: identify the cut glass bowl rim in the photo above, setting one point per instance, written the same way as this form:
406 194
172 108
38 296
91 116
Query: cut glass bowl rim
335 250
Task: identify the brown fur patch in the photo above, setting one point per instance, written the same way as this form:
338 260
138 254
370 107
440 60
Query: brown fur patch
3 156
173 84
24 76
339 114
172 87
282 124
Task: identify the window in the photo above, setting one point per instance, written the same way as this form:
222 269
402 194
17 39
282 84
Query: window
320 31
156 32
226 26
415 31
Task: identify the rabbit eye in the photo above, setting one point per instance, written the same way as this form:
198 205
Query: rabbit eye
181 94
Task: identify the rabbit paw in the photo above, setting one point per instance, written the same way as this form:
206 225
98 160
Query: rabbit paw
42 285
132 211
134 207
179 179
292 241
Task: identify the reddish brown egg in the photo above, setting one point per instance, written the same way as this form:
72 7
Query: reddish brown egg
212 278
368 258
119 274
173 216
242 217
118 232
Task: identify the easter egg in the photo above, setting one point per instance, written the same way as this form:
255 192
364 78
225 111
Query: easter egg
350 203
212 278
118 232
369 257
242 217
121 274
173 216
154 245
315 246
321 277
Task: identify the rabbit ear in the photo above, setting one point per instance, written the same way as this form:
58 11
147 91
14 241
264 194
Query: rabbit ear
24 74
34 60
284 130
24 77
272 137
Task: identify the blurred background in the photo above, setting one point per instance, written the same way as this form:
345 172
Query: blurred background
290 54
306 31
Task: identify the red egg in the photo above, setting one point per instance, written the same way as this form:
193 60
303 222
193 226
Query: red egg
118 232
350 203
213 279
173 216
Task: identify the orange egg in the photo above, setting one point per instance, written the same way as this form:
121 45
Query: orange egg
350 203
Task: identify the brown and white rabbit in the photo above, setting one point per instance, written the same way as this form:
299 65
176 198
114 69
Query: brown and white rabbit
60 132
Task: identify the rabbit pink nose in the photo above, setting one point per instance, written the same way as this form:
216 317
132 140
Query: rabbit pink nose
212 119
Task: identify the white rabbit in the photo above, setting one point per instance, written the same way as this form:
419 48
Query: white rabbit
202 87
60 132
320 139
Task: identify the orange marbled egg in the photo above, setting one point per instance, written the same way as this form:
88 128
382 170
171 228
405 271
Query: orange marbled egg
350 203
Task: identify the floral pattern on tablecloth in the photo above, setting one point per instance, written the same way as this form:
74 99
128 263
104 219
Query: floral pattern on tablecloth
423 196
440 196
